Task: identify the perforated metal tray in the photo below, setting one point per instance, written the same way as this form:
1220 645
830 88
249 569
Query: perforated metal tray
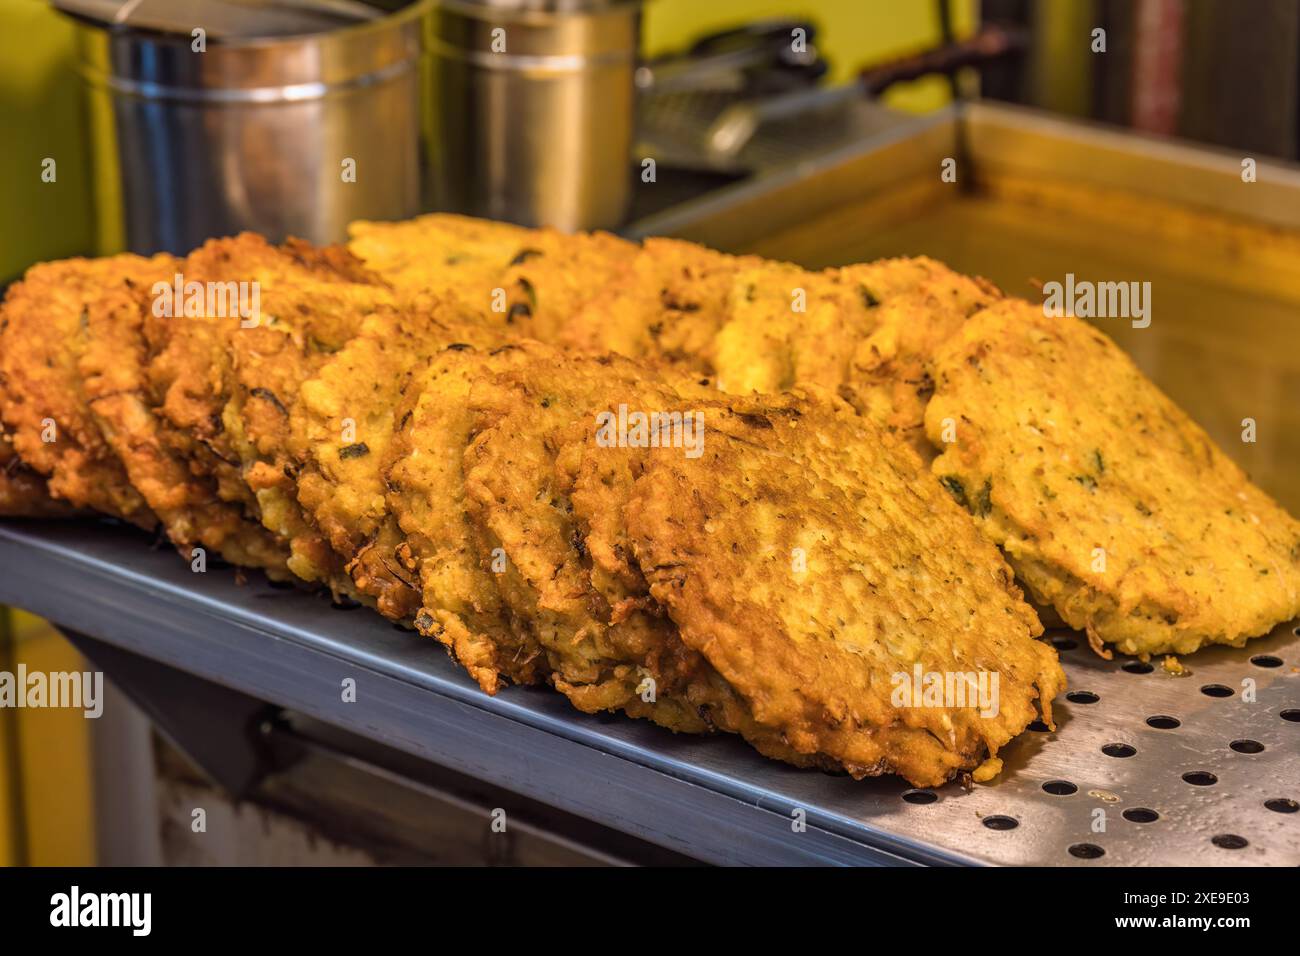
1149 767
714 798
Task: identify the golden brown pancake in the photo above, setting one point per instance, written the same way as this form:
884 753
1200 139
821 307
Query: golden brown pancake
41 398
517 495
809 558
113 368
891 377
455 258
23 493
667 304
341 431
225 385
459 602
1113 506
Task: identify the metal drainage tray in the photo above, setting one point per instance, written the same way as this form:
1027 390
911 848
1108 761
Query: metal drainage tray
1145 767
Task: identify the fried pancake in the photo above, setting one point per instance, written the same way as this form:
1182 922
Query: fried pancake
1112 505
460 604
787 325
463 607
113 367
23 493
883 279
607 646
526 282
225 386
599 480
550 280
811 560
866 333
41 398
891 375
455 258
311 310
667 303
594 292
341 431
517 499
189 378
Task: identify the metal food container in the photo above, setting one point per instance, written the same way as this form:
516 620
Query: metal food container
532 109
253 134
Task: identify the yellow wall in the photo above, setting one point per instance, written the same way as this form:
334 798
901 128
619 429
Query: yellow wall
40 114
9 838
53 785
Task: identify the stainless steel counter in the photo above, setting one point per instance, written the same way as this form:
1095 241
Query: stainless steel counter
712 799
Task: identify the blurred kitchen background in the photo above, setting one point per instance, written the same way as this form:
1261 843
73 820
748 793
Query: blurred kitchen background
809 131
1208 70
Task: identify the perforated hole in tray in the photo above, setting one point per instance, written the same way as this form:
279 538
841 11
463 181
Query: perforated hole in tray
1230 841
1087 851
1141 815
1001 822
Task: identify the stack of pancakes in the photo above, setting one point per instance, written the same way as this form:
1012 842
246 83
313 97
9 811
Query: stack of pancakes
716 492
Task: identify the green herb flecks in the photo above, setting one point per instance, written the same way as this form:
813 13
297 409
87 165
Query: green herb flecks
956 489
529 292
359 450
1088 482
267 395
523 255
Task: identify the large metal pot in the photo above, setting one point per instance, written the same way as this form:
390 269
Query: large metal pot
532 109
254 134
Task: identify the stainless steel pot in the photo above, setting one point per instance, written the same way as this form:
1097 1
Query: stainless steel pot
531 109
252 134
